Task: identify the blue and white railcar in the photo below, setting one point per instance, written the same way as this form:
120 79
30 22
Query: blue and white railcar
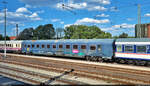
89 48
133 50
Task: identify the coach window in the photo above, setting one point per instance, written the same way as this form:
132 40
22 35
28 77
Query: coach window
92 47
83 46
75 46
60 46
67 46
128 48
54 46
119 48
28 46
32 45
141 49
37 46
43 46
48 46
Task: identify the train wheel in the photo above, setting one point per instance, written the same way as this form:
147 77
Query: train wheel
143 63
130 62
122 61
94 59
87 58
148 64
137 63
100 59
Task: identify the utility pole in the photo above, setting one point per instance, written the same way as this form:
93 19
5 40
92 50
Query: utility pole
4 2
16 30
139 20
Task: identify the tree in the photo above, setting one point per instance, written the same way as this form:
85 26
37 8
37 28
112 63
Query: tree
84 32
7 38
123 35
1 37
44 32
26 34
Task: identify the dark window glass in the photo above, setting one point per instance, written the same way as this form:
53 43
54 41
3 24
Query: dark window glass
48 46
67 46
92 47
75 46
141 49
83 46
128 48
28 46
54 46
43 46
37 46
60 46
32 46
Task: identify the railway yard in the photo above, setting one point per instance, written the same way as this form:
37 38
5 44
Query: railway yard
50 70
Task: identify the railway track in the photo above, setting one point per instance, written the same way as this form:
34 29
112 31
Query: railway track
34 77
113 74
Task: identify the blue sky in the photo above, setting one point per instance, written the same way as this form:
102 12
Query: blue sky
109 15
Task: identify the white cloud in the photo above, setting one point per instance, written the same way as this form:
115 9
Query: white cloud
23 10
147 15
77 4
41 11
55 20
35 16
91 20
102 15
98 8
104 2
19 17
114 9
129 19
61 22
124 25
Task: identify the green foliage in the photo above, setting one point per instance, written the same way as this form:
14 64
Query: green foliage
26 34
7 38
41 32
123 35
44 32
3 38
85 32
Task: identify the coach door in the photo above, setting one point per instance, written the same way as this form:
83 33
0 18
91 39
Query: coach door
68 50
83 49
99 48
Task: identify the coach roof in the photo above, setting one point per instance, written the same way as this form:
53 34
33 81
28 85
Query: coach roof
102 41
133 40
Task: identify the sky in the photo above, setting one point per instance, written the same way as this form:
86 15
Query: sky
114 16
